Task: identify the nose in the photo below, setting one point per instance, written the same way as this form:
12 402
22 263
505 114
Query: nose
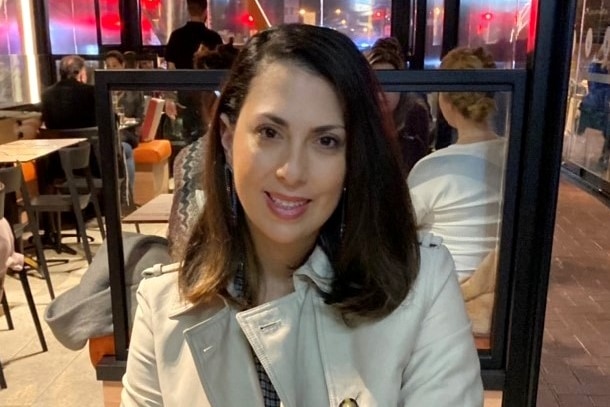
293 168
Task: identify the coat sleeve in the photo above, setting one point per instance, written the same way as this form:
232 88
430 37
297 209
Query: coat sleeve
141 380
444 368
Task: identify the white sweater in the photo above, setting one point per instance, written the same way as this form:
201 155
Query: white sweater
457 194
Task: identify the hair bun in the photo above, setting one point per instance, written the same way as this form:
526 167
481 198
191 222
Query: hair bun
485 56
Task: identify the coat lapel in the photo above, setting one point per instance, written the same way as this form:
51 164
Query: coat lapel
224 361
337 353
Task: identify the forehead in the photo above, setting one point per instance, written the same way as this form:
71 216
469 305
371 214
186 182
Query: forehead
286 86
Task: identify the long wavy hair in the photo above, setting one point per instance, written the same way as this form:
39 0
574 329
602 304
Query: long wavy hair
376 259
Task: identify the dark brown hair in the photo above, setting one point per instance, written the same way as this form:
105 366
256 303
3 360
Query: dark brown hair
476 106
387 51
196 7
377 259
70 66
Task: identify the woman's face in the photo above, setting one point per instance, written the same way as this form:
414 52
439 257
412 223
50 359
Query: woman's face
390 99
288 154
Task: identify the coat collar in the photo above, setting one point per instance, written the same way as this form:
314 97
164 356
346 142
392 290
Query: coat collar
316 269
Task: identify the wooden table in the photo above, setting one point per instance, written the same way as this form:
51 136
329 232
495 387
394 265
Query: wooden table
154 211
28 150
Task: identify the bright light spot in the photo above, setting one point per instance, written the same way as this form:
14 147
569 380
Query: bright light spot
30 51
338 11
437 11
302 11
343 22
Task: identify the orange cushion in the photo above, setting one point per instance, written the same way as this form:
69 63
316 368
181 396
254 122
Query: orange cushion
29 171
100 347
152 152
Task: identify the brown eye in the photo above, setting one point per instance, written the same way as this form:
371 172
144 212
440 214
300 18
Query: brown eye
328 141
268 132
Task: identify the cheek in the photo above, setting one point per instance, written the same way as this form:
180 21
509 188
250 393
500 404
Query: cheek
389 101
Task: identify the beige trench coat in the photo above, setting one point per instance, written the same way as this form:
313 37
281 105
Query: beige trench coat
422 354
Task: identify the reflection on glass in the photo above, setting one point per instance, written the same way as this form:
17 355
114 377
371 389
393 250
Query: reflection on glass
500 26
434 33
363 21
457 194
110 22
72 27
587 131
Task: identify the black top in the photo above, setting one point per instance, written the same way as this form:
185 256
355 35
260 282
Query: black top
184 41
69 104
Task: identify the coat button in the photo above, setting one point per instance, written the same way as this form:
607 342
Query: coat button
348 403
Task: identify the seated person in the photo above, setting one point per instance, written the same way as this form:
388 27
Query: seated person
410 110
457 191
69 103
131 104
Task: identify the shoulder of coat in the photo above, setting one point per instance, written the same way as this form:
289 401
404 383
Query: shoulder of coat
161 269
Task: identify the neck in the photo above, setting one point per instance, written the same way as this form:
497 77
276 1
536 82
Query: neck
277 265
197 19
472 132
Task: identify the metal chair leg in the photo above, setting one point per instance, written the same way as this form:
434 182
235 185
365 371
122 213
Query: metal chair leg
23 276
40 257
7 312
80 224
2 379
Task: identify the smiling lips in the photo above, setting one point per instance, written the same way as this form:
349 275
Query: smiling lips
286 207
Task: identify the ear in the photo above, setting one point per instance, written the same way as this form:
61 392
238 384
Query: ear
226 137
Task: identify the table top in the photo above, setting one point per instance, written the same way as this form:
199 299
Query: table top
156 210
31 149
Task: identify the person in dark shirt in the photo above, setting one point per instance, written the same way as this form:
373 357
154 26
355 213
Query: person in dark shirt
69 103
179 54
184 41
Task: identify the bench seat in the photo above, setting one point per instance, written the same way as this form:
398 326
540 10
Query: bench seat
152 169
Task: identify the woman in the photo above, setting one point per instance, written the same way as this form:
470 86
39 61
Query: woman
298 284
457 190
409 111
131 104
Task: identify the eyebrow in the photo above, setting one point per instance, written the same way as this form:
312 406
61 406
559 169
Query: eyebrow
320 129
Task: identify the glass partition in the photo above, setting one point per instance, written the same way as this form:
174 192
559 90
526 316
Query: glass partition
483 167
18 70
72 27
500 26
363 20
587 131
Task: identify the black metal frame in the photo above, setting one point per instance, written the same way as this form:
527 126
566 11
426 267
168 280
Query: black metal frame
494 361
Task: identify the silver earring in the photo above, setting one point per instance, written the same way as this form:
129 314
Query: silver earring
343 200
230 187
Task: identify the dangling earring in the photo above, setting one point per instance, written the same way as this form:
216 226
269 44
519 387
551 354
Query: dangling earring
343 200
230 187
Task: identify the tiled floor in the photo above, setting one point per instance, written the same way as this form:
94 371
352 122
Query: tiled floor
59 377
576 355
576 352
